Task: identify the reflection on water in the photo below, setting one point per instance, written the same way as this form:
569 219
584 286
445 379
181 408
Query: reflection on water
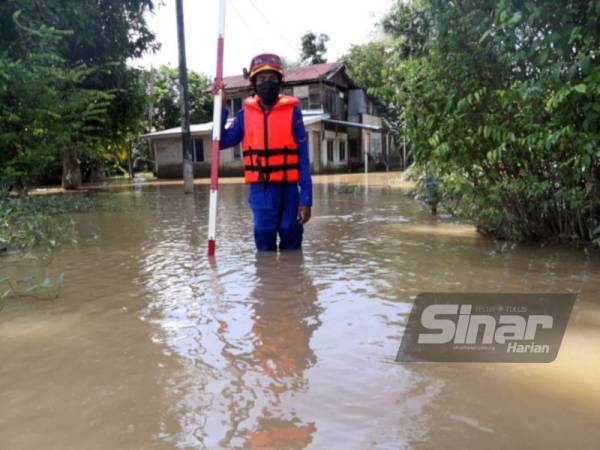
152 346
244 346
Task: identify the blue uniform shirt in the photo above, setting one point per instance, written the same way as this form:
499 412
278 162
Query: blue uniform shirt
234 134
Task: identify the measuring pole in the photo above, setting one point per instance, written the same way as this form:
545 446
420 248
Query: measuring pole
216 136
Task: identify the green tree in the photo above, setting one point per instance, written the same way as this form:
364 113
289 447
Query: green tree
366 63
502 104
78 50
43 108
410 26
163 87
314 48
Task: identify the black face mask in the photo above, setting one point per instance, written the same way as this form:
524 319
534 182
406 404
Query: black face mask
268 91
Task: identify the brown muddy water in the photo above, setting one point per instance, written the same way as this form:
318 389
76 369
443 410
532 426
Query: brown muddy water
150 346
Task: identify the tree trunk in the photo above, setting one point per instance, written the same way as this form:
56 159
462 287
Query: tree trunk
71 171
129 160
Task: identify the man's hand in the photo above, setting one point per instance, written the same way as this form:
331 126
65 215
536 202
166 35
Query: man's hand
303 214
215 90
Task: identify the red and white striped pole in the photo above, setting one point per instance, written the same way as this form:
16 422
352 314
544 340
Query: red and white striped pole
216 136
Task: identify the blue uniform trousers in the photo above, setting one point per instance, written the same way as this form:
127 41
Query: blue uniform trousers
275 210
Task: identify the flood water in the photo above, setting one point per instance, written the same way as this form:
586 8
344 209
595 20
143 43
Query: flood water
151 346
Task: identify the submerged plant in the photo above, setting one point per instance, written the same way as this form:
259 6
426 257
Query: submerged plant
48 288
44 221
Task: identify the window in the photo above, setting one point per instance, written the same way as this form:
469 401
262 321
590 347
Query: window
329 150
330 103
342 151
198 150
314 98
334 105
301 93
236 152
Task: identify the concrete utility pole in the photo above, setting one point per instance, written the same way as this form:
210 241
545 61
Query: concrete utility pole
186 138
151 105
151 118
367 145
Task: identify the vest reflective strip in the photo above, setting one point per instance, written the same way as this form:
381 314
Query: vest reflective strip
271 152
272 168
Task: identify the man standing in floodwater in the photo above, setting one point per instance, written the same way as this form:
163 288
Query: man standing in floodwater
275 152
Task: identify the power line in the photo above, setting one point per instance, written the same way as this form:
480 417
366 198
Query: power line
268 22
252 35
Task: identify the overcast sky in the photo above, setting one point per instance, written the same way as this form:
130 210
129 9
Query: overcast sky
257 26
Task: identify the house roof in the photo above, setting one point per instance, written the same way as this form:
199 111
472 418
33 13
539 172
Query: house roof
293 75
308 117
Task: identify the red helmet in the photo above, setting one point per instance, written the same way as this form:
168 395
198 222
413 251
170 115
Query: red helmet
265 61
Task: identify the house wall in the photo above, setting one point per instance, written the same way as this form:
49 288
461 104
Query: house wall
369 119
168 151
335 102
169 159
169 155
315 137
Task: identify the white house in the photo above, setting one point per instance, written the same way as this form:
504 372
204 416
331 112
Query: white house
342 124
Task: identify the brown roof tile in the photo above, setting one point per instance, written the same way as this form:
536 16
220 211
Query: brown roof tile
296 74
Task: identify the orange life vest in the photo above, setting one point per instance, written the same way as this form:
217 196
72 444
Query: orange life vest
269 148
